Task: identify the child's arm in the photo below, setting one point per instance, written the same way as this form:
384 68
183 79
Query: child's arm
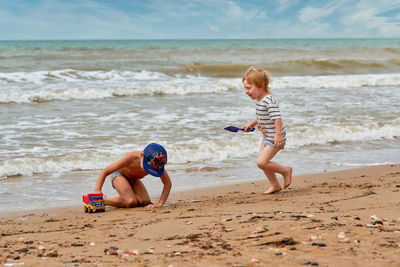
278 141
110 169
250 124
166 190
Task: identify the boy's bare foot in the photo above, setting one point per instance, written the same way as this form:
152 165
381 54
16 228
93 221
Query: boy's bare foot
287 178
105 199
272 190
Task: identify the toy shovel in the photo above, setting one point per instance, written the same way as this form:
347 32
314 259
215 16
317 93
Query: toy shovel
236 129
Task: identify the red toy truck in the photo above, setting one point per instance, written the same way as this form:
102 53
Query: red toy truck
93 203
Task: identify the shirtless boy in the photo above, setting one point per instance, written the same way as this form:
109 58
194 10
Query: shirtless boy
127 172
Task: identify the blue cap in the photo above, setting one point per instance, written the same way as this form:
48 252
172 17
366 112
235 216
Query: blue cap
154 159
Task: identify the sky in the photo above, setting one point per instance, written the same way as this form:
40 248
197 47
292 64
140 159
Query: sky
198 19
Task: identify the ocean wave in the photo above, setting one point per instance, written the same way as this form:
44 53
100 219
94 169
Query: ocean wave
96 93
395 51
203 150
43 86
196 150
321 134
325 66
337 81
28 166
297 66
219 70
363 164
73 75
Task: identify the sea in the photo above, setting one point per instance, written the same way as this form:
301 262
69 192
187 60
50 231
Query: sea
70 108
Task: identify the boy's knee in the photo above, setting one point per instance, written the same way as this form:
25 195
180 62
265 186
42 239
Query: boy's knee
130 202
262 164
144 203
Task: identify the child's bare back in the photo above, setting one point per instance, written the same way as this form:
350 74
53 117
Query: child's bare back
127 172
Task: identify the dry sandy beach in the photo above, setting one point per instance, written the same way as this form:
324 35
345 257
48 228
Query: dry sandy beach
345 218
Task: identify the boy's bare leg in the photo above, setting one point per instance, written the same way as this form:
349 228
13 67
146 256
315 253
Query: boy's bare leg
115 201
285 171
141 194
266 154
287 177
270 168
126 197
275 186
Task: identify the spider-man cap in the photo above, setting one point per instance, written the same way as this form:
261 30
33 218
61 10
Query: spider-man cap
154 159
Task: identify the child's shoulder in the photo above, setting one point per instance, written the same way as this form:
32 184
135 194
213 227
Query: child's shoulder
268 99
134 154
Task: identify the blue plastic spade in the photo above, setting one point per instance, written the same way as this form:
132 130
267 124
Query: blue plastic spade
235 129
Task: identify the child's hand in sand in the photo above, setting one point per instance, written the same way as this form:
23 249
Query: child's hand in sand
156 205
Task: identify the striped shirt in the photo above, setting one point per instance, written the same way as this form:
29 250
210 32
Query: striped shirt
267 111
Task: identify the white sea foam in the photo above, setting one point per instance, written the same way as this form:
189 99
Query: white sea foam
28 166
325 134
338 81
66 85
365 164
200 149
70 75
25 87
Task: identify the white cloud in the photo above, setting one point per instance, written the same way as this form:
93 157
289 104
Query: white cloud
366 18
309 14
262 15
230 12
319 12
358 15
214 28
283 5
74 19
171 9
234 11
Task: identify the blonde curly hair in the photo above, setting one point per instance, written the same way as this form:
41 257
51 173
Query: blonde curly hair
258 77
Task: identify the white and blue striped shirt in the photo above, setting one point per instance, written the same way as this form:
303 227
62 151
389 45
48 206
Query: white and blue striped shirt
267 111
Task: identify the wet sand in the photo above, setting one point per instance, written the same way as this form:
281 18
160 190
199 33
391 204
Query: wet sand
345 218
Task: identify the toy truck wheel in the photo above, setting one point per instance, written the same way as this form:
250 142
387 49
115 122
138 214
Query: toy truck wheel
102 210
90 209
85 209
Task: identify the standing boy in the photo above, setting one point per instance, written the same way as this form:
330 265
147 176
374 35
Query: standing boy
269 122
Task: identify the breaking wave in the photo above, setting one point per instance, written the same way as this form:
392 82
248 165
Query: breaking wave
202 150
43 86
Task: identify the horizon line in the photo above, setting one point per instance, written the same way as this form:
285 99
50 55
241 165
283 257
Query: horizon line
199 39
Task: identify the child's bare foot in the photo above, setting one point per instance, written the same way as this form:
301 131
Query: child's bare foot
105 199
287 178
272 189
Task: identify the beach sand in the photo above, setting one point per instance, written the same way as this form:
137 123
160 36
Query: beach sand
344 218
